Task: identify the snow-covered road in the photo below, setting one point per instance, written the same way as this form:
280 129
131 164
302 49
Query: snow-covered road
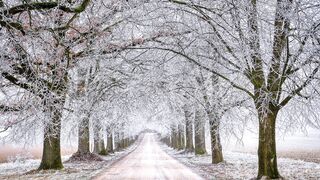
148 161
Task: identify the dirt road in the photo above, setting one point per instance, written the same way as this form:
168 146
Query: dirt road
147 162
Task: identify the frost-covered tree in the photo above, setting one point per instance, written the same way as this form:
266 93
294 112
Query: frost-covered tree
36 55
43 41
267 49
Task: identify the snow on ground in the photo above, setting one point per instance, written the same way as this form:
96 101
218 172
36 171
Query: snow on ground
19 166
244 166
22 169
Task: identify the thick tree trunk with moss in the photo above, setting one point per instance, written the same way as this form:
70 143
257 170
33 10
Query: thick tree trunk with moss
216 148
51 156
110 148
189 130
267 153
199 136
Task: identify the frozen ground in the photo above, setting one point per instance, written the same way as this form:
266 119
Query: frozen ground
244 166
22 168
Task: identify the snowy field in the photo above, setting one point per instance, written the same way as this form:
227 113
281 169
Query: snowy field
244 166
295 145
25 168
292 141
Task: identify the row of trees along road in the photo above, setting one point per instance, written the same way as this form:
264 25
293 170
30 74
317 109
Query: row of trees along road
269 50
43 44
89 63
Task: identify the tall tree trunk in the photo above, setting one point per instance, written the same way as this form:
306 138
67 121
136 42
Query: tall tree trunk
83 153
110 148
96 136
103 150
189 130
83 127
199 129
214 118
122 141
267 153
84 137
51 156
174 138
99 147
181 139
216 147
126 142
117 141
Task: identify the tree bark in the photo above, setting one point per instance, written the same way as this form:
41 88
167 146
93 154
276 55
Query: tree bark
99 147
96 137
84 137
51 156
103 150
84 153
126 142
267 153
214 119
83 127
110 148
174 138
216 147
118 141
181 139
122 141
189 130
199 129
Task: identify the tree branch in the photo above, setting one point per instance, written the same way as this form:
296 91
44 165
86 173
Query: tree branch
203 67
5 108
44 5
16 82
300 88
